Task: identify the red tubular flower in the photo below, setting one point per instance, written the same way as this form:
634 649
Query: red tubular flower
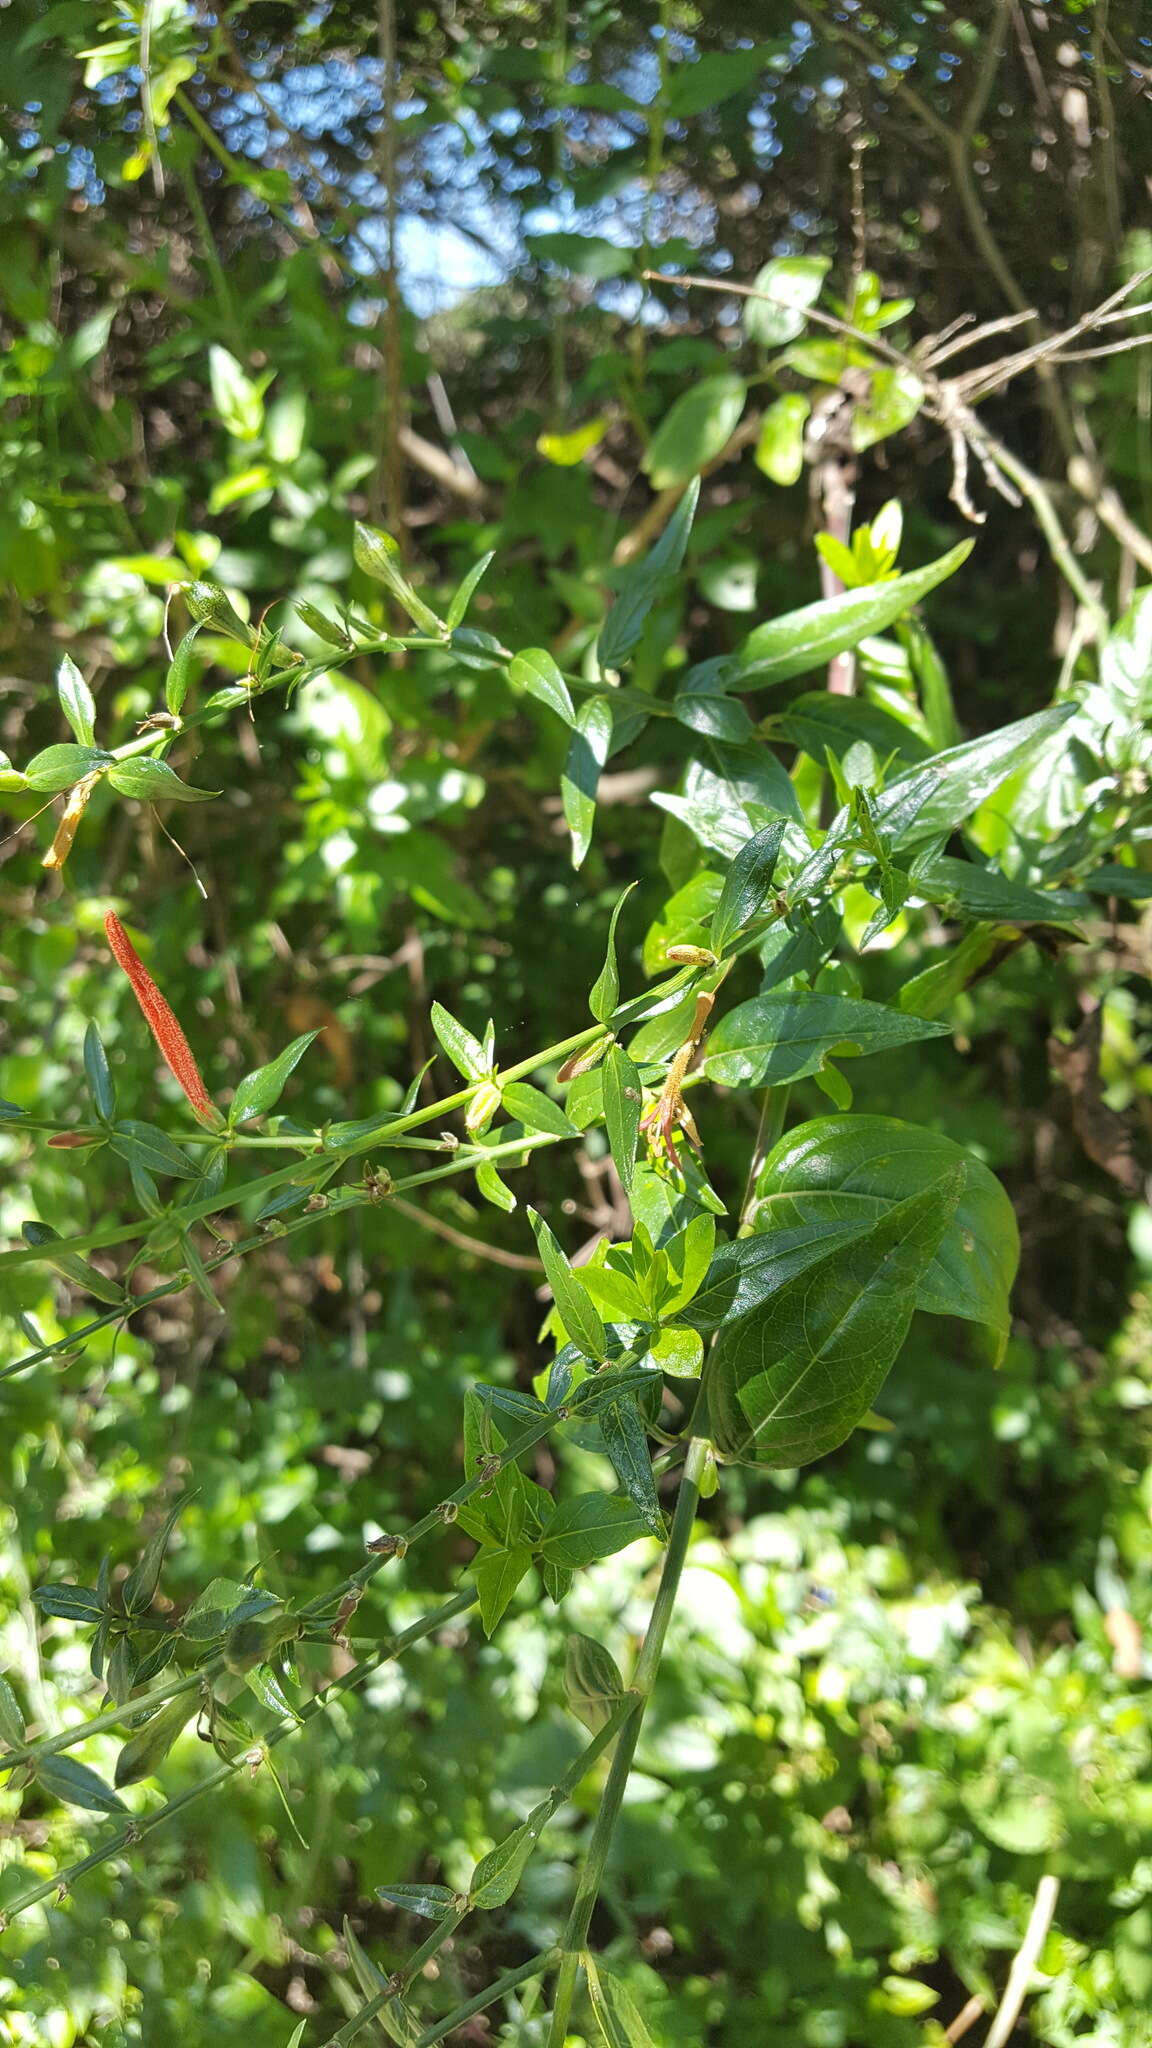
161 1019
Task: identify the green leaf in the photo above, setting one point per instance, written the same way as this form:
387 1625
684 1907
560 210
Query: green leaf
12 1728
155 782
783 1036
580 780
696 429
239 402
464 594
985 892
591 256
259 1090
853 1169
536 673
952 785
789 284
895 397
622 1105
807 639
680 1353
593 1685
497 1573
591 1526
614 2009
56 768
780 450
605 992
379 556
76 1785
688 1256
644 583
1114 880
1126 659
70 1266
98 1076
495 1190
573 1303
731 793
143 1579
820 724
145 1145
69 1603
465 1052
708 81
792 1380
497 1875
537 1111
76 701
746 884
430 1901
145 1751
626 1442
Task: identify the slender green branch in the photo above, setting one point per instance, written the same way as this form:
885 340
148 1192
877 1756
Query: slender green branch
648 1663
139 1826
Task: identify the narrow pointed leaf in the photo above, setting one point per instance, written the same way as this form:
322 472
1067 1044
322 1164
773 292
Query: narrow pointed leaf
581 777
622 1104
99 1078
155 782
627 1446
605 992
746 884
76 1785
806 639
646 581
142 1580
465 1051
259 1091
463 597
573 1303
536 673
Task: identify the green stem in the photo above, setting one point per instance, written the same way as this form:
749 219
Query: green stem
773 1110
575 1937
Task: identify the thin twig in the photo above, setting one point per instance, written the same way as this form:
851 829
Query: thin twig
518 1262
1019 1976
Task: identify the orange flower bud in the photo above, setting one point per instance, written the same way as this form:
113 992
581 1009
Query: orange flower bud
161 1020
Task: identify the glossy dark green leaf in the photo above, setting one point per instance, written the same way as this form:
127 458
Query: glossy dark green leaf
645 582
1115 880
807 639
954 784
729 794
536 673
782 1036
821 723
76 701
793 1379
146 1145
76 1785
430 1901
580 780
746 885
154 782
146 1750
622 1105
743 1274
592 1525
852 1169
497 1572
260 1090
985 892
143 1579
69 1603
56 768
626 1442
604 994
573 1302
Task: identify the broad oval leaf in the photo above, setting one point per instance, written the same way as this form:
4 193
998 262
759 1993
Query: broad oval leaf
780 449
791 1381
788 286
696 429
850 1170
536 673
56 768
947 789
593 1684
784 1036
76 1785
76 701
